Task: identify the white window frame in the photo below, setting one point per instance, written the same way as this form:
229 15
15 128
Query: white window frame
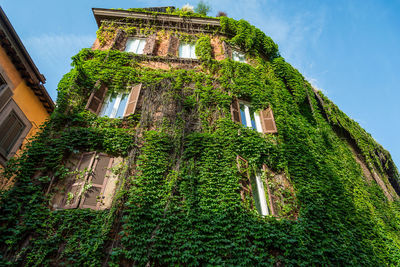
236 55
261 196
192 50
248 117
137 47
115 106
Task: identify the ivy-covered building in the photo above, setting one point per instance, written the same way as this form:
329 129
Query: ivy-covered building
182 139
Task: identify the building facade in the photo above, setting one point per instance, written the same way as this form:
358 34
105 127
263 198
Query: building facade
181 139
24 101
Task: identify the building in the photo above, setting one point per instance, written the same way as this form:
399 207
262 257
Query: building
24 101
182 139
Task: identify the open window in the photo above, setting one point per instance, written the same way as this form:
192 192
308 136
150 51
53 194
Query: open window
117 104
252 189
91 183
238 56
262 121
187 50
135 45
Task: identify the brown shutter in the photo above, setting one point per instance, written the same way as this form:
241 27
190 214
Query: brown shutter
173 44
268 121
133 100
5 95
96 99
227 50
93 196
235 111
119 41
245 185
10 131
271 203
150 45
86 162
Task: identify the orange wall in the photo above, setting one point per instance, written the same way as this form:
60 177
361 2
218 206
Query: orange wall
27 101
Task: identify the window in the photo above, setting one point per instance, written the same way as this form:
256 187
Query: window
135 45
238 56
91 183
259 194
262 121
252 188
14 126
187 50
249 117
116 105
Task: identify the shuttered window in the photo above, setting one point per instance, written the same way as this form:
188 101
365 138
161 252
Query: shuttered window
89 182
94 195
268 121
263 121
235 111
83 171
10 131
96 99
173 44
150 46
245 185
252 188
187 50
133 99
114 106
135 45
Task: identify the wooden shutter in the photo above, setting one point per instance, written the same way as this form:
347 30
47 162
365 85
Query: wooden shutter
92 198
235 111
133 100
150 46
96 99
86 162
5 95
227 50
245 185
119 41
173 44
268 121
10 131
271 203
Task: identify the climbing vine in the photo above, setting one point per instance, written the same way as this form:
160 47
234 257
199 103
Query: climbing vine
179 201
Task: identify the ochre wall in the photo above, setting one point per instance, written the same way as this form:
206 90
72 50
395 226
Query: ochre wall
27 101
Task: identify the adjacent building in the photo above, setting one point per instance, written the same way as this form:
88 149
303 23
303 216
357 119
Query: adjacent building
24 101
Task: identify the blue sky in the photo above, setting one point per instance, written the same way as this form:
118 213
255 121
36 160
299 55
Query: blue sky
349 49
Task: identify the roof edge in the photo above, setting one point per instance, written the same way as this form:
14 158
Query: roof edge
102 13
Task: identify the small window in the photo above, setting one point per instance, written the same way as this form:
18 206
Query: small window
114 106
187 50
252 189
259 194
91 183
249 117
238 56
135 45
262 121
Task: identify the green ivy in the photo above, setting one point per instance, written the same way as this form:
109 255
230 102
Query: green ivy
179 202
